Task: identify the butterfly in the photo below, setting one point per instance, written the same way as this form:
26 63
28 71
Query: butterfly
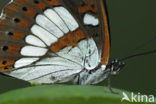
56 41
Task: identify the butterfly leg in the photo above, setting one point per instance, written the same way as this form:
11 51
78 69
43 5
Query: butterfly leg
109 86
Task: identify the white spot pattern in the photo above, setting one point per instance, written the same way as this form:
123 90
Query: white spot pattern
30 39
50 26
67 17
54 17
90 20
44 35
33 51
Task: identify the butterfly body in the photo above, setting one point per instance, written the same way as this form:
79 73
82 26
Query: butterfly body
55 41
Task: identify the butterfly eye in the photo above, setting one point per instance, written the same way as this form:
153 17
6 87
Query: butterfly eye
16 20
5 48
24 9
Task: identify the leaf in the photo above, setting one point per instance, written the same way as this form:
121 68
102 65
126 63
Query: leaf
62 94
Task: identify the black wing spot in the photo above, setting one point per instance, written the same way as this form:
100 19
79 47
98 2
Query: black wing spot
5 48
16 20
36 1
6 68
24 8
4 62
10 33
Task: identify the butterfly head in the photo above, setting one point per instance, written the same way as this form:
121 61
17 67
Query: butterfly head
115 66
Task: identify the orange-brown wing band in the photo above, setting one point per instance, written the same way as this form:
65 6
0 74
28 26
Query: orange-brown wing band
106 48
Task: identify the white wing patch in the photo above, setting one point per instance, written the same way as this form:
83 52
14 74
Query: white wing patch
90 20
30 39
44 35
48 25
33 51
67 18
49 67
90 53
66 76
53 16
24 61
73 54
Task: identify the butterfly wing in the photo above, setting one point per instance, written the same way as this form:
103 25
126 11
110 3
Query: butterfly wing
50 41
93 18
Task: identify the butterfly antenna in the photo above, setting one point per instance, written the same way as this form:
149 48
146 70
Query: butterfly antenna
139 54
127 56
143 44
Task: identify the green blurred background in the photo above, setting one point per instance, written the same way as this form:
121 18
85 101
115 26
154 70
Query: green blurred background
132 22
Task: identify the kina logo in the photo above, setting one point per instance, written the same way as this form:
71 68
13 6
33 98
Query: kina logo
137 98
